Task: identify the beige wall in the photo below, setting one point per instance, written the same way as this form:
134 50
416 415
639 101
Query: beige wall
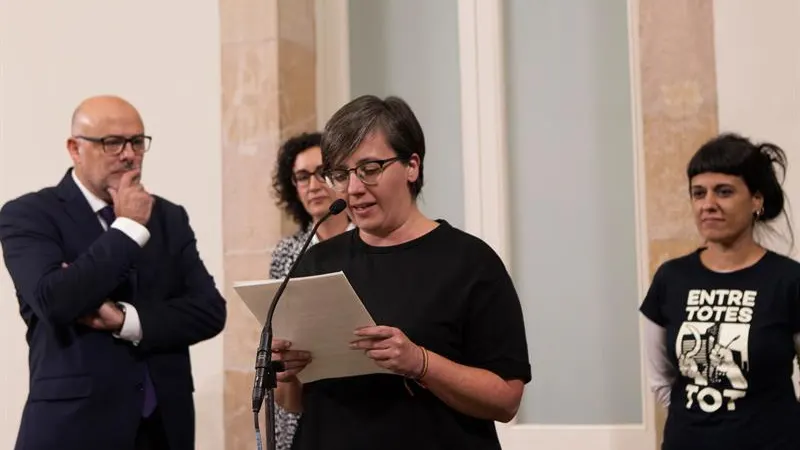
758 80
268 93
679 112
53 55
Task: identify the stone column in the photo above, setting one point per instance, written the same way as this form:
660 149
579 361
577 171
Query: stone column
679 108
268 93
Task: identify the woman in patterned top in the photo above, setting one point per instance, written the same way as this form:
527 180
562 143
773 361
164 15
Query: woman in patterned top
303 194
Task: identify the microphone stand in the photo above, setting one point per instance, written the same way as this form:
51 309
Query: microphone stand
266 378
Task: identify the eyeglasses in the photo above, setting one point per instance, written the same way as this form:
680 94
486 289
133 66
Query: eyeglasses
114 145
303 177
369 172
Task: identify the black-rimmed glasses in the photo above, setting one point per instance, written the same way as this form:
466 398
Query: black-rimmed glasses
303 177
114 145
369 172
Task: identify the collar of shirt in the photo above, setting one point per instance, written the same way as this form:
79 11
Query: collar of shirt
315 239
94 201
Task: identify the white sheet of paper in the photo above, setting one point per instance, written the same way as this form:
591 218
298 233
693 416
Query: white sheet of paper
317 314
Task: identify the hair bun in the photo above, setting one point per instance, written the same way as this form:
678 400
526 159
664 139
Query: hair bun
774 155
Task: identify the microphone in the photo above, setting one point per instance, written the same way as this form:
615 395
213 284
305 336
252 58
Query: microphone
266 370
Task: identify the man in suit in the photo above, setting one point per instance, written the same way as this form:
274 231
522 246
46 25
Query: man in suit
113 292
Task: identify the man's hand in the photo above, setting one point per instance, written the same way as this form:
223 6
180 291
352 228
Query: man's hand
130 199
108 318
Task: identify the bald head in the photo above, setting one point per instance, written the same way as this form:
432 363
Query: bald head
107 140
103 114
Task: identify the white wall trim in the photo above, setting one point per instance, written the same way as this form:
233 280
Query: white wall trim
485 162
485 166
333 57
640 205
586 437
483 123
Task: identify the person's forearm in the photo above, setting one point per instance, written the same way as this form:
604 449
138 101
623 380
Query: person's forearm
183 321
195 315
64 294
474 392
658 365
289 395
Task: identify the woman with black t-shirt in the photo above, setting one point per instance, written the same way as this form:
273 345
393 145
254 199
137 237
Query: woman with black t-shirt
723 322
450 328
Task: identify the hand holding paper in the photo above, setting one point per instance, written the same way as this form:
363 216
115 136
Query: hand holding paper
391 349
293 360
318 315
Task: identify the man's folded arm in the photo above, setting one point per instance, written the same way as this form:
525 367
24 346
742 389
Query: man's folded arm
34 256
196 315
131 327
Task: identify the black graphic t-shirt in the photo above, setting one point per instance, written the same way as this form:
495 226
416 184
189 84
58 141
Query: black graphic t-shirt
729 338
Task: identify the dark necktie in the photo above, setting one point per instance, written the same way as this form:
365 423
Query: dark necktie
149 405
107 214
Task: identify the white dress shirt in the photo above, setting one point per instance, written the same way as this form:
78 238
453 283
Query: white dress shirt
131 326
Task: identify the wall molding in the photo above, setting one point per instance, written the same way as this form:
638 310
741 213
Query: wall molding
487 213
483 123
485 170
640 213
333 57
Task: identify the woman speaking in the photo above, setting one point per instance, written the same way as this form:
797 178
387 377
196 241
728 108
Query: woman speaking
450 324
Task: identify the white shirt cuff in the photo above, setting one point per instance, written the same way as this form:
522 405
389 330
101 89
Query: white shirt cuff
131 326
132 229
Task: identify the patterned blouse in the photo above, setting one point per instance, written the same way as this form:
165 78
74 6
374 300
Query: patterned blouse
283 257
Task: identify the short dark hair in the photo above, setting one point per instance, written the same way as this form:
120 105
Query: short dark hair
353 122
733 154
285 190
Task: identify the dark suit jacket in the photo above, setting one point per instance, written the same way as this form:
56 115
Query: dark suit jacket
85 385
